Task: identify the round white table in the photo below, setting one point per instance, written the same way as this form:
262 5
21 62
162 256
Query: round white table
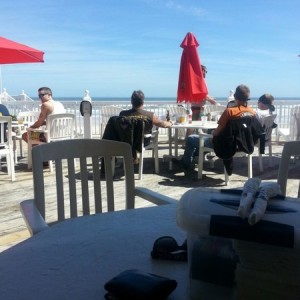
75 258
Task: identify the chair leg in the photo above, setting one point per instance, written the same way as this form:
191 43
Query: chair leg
260 163
226 176
250 166
156 160
21 147
11 165
200 163
270 155
15 149
29 157
141 164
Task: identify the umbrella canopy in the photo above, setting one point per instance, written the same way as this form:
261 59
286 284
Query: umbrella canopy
13 53
191 83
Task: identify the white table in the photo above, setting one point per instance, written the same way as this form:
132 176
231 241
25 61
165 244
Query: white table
194 125
74 259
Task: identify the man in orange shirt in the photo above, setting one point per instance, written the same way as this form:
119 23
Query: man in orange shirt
239 110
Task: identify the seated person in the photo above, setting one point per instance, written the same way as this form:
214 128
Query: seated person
265 107
4 112
138 112
137 102
48 107
241 109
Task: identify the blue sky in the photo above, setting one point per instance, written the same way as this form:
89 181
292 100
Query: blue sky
112 47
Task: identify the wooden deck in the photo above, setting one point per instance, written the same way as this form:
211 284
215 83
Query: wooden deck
171 183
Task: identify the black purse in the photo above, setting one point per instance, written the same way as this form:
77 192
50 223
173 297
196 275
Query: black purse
138 285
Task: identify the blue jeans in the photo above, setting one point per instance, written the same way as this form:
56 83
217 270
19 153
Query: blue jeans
192 148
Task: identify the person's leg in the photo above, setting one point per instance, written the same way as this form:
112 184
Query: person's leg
25 137
192 144
208 142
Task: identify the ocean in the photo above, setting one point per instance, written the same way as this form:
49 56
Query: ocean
159 99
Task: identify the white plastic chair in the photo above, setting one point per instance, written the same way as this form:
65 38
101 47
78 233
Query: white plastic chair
28 118
59 127
174 112
153 145
267 123
292 132
6 145
201 158
87 188
129 129
203 149
106 113
291 148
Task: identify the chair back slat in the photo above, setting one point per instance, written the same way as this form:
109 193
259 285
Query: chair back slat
97 185
60 190
72 188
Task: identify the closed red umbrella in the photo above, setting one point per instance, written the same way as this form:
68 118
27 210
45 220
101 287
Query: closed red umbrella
13 53
191 83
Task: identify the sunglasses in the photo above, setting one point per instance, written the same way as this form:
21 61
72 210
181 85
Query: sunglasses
166 247
42 95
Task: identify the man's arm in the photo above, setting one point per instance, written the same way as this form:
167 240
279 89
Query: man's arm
222 122
160 123
45 111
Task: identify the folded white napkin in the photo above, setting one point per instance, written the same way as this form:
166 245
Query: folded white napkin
249 191
267 190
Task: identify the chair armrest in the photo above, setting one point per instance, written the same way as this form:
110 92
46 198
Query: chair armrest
203 134
32 217
36 130
154 197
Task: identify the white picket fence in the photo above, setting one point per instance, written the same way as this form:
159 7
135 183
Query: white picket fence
283 109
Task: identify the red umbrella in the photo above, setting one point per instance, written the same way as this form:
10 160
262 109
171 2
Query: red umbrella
13 53
191 83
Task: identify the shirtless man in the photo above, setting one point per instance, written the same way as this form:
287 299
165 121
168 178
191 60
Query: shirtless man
48 107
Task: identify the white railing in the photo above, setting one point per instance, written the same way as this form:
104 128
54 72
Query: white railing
282 109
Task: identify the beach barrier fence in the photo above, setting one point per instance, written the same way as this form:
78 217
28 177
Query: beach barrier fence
283 110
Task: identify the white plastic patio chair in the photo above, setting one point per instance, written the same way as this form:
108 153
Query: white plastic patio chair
131 130
153 145
83 191
203 149
292 132
174 112
267 123
28 118
291 148
106 113
59 127
6 145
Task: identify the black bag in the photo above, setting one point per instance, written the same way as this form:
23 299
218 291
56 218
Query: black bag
138 285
